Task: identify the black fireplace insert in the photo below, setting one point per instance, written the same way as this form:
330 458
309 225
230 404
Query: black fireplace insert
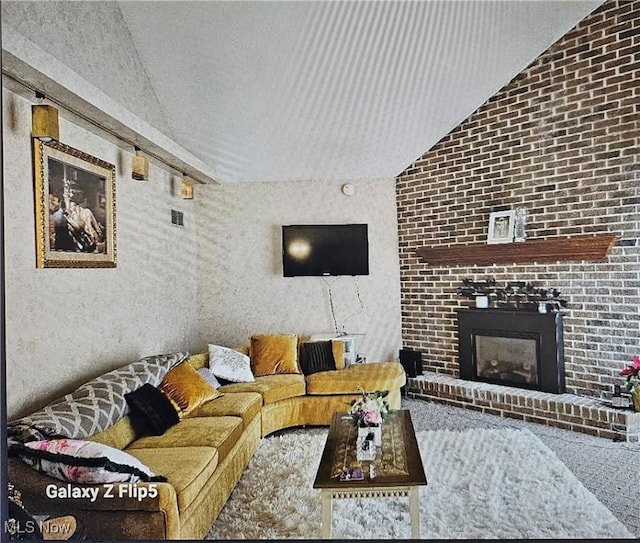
512 348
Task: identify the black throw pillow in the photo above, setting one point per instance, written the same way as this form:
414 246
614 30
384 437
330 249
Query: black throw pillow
151 411
316 356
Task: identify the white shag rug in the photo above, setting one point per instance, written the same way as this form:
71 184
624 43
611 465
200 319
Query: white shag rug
482 484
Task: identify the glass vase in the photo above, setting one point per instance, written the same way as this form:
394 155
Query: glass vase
520 224
364 431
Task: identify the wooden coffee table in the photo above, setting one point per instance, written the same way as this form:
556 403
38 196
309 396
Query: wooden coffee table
398 467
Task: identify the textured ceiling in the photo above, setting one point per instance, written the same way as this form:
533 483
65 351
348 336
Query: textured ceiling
286 91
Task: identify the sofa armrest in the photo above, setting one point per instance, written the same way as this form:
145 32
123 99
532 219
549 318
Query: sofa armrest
105 509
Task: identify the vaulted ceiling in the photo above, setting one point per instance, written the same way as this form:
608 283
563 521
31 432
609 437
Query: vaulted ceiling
330 90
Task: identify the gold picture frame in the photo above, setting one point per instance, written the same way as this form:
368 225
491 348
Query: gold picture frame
75 208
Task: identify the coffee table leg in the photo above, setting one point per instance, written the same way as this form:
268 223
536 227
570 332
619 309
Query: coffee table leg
414 510
327 506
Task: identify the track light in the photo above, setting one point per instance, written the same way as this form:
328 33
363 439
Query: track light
140 166
44 123
187 187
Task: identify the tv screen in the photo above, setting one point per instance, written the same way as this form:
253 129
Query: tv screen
325 249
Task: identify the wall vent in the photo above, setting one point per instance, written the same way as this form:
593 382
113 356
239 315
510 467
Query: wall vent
177 217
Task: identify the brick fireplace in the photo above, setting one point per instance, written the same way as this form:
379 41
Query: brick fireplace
561 140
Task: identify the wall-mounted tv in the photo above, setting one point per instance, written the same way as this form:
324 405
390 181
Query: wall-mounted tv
325 249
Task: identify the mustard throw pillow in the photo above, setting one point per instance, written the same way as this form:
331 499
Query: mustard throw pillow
337 347
274 353
187 389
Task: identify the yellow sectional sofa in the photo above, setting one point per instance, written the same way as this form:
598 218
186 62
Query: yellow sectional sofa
204 455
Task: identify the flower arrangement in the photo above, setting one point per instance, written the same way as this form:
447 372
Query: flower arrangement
632 373
371 409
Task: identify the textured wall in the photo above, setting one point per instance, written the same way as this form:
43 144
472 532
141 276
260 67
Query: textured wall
241 287
562 139
67 325
93 40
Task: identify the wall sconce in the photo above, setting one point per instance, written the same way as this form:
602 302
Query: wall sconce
187 187
44 123
139 167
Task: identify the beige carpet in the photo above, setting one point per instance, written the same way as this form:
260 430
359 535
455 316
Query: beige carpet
483 484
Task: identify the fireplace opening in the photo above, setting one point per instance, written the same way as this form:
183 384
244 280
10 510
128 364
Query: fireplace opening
512 348
502 359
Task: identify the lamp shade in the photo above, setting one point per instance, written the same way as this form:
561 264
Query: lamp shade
187 188
140 167
44 123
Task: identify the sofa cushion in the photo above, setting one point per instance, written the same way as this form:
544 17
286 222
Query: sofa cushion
187 469
230 365
246 405
199 360
369 377
222 433
272 387
152 412
187 388
337 347
316 356
119 435
209 377
84 462
273 354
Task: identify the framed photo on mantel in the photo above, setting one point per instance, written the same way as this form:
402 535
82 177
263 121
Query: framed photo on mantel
75 208
501 225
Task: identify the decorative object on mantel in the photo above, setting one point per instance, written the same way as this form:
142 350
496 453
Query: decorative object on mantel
632 373
520 224
368 413
572 249
501 227
517 295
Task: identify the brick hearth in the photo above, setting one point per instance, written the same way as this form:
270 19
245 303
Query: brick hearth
566 411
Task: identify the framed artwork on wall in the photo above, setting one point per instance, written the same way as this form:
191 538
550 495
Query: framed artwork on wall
75 208
501 224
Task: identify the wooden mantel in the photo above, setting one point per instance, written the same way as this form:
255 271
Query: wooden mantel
570 249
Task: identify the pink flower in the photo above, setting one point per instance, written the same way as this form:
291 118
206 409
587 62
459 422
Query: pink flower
373 417
632 369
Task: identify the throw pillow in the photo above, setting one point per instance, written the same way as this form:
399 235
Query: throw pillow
316 356
187 388
229 364
94 406
337 347
210 377
274 353
153 409
84 462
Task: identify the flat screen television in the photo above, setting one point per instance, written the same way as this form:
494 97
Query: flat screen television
325 249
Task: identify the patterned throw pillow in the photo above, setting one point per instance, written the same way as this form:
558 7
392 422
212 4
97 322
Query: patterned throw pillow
94 406
83 462
229 364
210 377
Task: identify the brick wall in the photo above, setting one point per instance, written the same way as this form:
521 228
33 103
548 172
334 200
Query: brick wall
563 140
